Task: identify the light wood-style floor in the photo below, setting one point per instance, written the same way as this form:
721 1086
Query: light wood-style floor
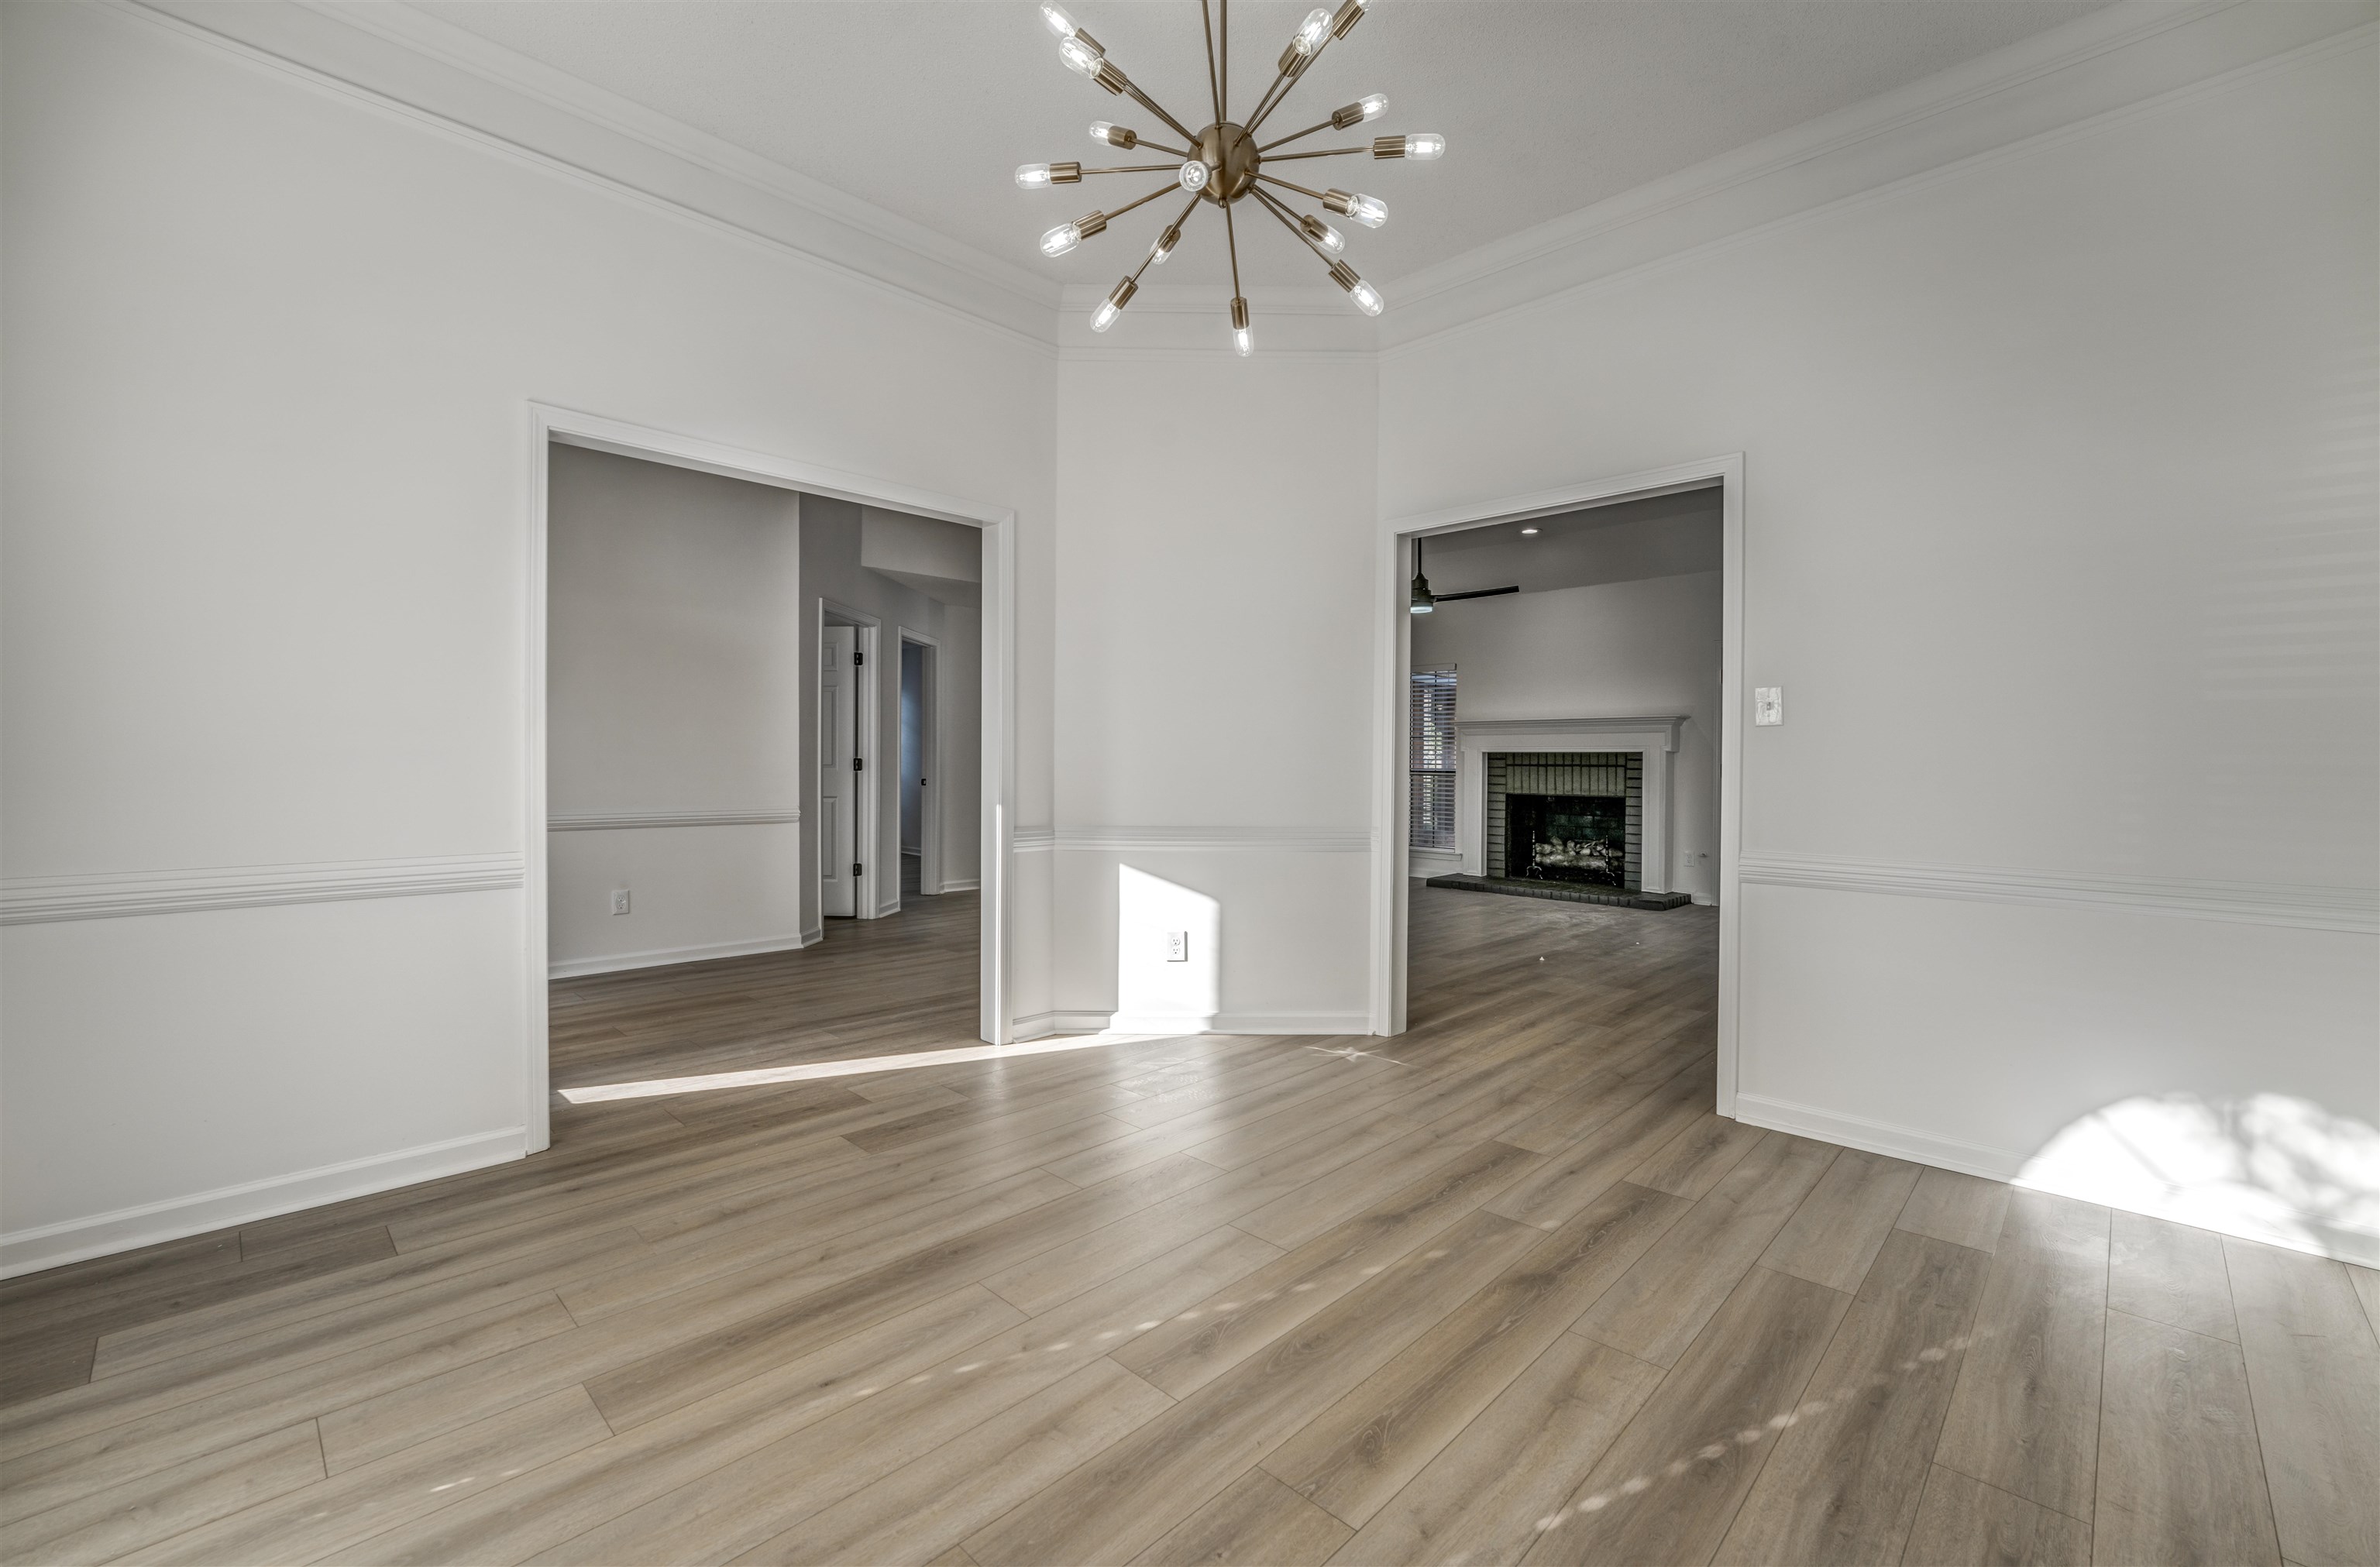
1500 1290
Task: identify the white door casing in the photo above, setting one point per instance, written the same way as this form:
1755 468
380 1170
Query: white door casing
838 785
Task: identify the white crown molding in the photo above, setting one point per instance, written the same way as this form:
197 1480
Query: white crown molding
2143 57
54 1245
404 65
37 900
610 821
2353 909
1489 728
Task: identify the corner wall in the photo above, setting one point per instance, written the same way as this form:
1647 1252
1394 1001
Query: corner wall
2059 539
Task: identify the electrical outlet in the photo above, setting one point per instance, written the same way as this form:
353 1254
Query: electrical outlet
1177 946
1767 705
619 900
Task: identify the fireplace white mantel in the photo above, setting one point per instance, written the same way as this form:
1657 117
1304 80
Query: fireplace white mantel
1654 739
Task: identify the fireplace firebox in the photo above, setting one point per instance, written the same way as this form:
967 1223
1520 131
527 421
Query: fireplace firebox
1580 838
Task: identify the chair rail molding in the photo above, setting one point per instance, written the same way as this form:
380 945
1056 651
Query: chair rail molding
1209 839
2355 909
612 822
37 900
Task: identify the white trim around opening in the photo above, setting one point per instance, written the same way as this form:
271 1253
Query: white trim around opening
549 425
1392 661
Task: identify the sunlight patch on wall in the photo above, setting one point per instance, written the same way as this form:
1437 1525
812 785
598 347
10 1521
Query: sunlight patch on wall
2270 1165
1168 959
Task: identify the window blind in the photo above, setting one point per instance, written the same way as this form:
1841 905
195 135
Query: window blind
1431 799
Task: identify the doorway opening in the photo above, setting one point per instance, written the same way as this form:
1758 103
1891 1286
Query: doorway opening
715 765
921 797
1556 830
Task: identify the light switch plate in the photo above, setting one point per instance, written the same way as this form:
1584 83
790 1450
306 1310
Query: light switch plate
1767 705
1177 946
620 900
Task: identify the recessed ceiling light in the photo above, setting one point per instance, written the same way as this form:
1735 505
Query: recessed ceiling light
1527 531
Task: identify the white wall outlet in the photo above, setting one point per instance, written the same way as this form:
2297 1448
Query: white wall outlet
619 900
1768 704
1177 946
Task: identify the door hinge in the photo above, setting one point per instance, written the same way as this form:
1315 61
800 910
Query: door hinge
857 764
858 657
857 867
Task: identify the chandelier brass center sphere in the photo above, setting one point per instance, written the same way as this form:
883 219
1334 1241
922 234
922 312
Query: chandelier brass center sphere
1231 156
1224 163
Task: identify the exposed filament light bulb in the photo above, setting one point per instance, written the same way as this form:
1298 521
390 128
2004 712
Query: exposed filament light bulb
1322 234
1424 147
1367 298
1165 243
1079 57
1193 176
1112 305
1244 340
1055 18
1061 240
1310 31
1369 211
1033 176
1110 135
1374 105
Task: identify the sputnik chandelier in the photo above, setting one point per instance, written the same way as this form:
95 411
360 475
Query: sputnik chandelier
1224 163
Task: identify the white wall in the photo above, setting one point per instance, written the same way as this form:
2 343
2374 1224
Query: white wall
2059 538
1205 621
1617 649
270 349
673 678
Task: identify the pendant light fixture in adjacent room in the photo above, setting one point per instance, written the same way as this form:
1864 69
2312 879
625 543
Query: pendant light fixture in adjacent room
1424 601
1224 163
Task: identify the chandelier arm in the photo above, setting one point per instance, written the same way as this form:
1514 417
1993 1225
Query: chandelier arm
1294 135
1277 93
1273 205
1223 58
1152 105
1143 201
1325 152
1131 169
1214 88
1232 240
1287 186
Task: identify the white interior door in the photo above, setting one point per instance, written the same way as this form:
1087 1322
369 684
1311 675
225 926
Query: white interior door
838 784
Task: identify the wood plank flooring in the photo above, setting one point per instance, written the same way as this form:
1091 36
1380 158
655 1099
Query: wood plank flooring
1500 1291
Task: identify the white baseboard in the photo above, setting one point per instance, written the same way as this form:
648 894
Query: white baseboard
1041 1024
571 968
54 1245
961 883
2300 1231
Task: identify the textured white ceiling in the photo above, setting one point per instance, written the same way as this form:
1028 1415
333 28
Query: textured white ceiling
924 106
